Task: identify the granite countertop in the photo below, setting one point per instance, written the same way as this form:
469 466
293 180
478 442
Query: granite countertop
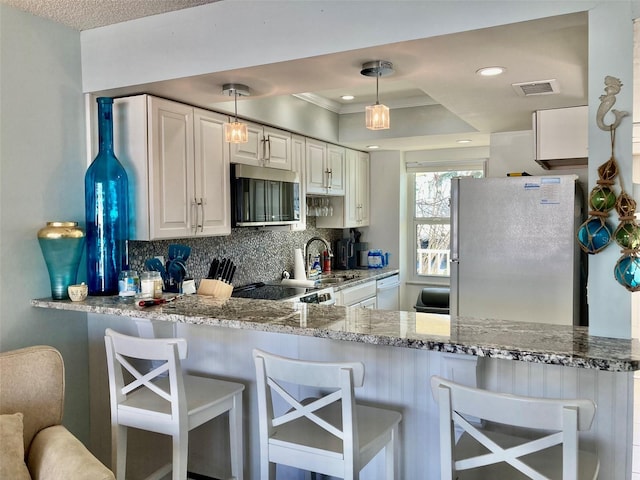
529 342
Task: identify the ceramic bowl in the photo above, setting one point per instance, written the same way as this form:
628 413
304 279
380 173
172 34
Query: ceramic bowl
78 293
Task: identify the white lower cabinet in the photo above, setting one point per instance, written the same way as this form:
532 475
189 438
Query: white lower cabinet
362 295
178 167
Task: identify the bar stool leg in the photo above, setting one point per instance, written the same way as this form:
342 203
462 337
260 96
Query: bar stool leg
235 434
180 454
119 451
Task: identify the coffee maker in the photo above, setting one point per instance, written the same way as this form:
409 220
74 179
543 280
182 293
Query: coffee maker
344 254
361 249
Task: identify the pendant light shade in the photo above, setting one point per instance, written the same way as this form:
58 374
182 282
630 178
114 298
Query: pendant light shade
377 116
236 132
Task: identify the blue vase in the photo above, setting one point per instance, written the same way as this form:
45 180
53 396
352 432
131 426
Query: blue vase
106 210
61 244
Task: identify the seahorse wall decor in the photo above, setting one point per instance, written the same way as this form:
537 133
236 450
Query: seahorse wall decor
607 101
596 233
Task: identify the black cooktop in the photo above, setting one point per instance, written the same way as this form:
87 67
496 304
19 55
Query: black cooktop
262 291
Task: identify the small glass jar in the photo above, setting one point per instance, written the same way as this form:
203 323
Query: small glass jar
128 283
150 285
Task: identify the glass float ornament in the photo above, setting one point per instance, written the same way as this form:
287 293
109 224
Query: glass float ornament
625 205
594 234
627 235
602 198
608 170
627 271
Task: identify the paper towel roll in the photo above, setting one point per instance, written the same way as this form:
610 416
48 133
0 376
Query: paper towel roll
291 282
299 272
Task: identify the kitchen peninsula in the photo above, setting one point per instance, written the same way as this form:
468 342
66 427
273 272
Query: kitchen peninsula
400 350
528 342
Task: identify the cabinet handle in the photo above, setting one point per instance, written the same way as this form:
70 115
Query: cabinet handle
203 201
266 154
194 215
198 203
329 178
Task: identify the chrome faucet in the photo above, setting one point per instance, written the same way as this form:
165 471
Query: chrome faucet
306 248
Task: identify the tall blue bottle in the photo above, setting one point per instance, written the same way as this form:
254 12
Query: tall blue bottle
106 210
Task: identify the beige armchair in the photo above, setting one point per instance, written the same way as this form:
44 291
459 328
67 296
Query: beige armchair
33 443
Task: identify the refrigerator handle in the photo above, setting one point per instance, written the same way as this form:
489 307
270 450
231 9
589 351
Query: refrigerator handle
454 262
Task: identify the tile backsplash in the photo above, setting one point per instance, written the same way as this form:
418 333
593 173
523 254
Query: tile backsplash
261 255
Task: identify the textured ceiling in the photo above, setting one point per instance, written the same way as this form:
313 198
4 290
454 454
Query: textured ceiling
86 14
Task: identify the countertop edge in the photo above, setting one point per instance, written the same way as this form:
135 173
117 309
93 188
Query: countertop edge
281 318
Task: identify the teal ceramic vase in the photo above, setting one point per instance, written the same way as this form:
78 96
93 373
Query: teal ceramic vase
62 244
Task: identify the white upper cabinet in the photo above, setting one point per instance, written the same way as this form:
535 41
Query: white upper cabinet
352 210
298 155
178 168
213 212
325 168
356 200
266 147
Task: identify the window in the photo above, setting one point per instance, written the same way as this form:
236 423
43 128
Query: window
431 188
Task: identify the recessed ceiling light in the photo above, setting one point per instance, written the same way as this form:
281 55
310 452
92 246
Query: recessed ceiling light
463 140
373 147
491 71
347 97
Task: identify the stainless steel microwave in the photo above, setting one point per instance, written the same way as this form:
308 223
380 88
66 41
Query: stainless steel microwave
263 196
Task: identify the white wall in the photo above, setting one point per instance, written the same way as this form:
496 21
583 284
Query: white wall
41 179
197 40
610 53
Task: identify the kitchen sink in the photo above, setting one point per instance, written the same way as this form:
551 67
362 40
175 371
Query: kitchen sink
331 280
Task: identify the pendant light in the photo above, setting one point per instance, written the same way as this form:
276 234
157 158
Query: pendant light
235 132
377 116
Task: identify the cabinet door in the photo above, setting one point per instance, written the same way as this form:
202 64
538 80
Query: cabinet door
211 175
298 155
315 166
277 148
335 166
351 202
171 188
362 188
368 303
131 147
251 152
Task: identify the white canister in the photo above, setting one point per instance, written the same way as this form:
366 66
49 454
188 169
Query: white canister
150 285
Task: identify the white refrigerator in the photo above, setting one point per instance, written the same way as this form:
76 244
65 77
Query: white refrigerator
514 253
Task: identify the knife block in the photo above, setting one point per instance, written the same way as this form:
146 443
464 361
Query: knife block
215 288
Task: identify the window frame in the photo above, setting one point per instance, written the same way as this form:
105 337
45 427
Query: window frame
413 221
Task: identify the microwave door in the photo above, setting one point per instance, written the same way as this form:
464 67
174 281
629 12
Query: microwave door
275 203
259 213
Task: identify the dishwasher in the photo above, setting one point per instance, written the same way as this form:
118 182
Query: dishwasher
388 293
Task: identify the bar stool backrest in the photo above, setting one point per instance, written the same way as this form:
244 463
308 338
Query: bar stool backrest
169 405
278 378
563 417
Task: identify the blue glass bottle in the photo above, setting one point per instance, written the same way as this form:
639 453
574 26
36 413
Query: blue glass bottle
106 210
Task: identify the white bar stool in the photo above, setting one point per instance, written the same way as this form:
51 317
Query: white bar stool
332 434
547 450
165 400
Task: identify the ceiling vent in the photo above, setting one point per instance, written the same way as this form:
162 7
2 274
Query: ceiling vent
542 87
